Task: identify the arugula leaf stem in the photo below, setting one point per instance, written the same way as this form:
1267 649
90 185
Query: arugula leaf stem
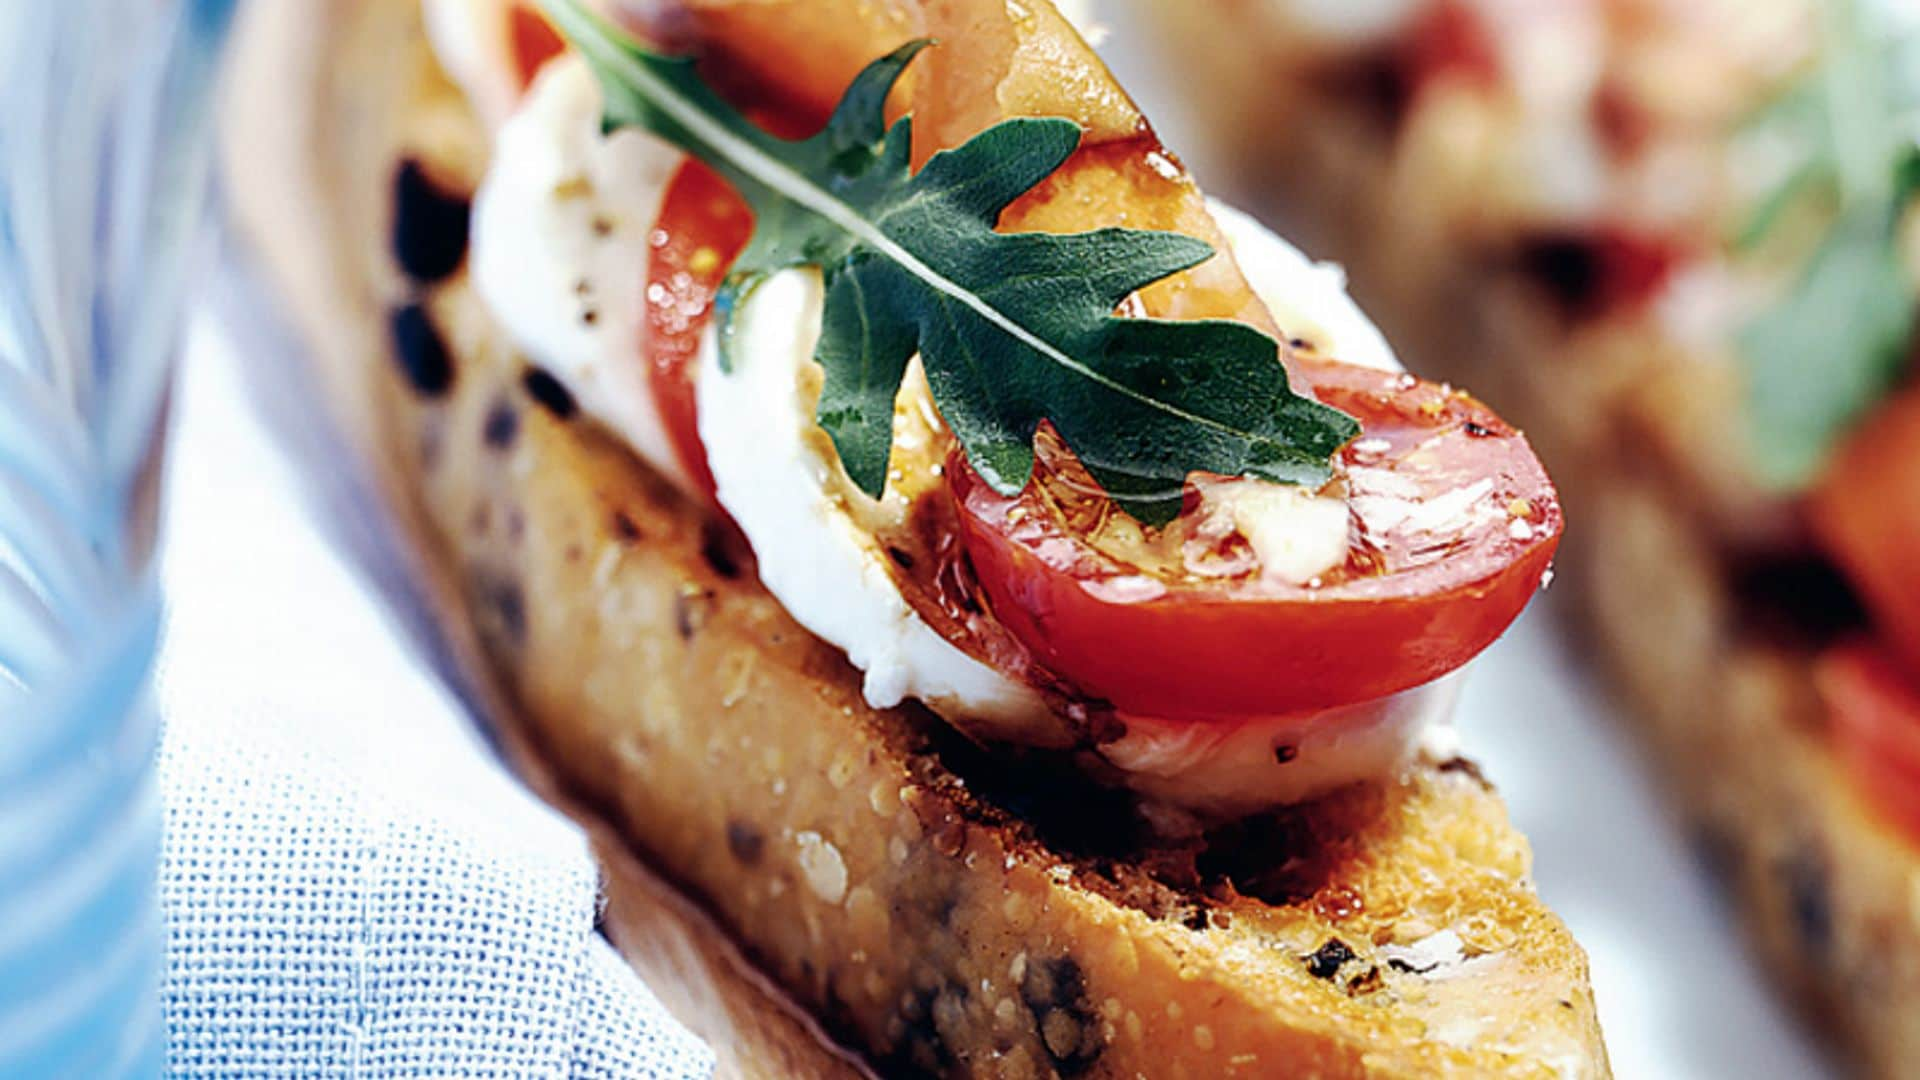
1014 330
591 33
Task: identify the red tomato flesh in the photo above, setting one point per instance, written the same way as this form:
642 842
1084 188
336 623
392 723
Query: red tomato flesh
1874 705
703 224
534 40
1405 608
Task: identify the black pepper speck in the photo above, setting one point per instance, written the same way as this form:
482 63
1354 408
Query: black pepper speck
745 842
1326 961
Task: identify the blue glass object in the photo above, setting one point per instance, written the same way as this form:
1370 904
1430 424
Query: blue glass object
104 118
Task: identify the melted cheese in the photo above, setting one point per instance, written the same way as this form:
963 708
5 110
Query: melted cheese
782 485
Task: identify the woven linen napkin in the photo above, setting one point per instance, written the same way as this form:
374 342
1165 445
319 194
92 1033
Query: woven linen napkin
352 885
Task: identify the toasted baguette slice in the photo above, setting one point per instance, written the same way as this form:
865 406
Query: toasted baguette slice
1709 637
941 909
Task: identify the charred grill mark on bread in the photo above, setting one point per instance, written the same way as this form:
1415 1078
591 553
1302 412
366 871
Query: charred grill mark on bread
501 605
419 351
501 427
549 392
429 225
1804 882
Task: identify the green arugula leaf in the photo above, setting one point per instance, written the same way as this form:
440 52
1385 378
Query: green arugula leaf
1819 358
1836 342
1011 329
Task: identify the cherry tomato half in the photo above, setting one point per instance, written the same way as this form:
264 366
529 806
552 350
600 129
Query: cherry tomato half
1875 708
534 41
1866 512
1452 524
703 224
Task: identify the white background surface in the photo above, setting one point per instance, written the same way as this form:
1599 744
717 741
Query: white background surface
1677 996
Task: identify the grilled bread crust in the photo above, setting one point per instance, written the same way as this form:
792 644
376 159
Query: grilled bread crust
943 910
1707 633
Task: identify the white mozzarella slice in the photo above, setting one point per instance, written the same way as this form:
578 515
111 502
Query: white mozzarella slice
779 479
560 232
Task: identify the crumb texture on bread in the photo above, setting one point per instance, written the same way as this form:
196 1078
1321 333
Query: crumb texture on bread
948 911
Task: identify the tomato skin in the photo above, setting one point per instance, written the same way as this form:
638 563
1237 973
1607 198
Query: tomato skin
701 227
703 224
1216 650
1866 513
534 42
1874 707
